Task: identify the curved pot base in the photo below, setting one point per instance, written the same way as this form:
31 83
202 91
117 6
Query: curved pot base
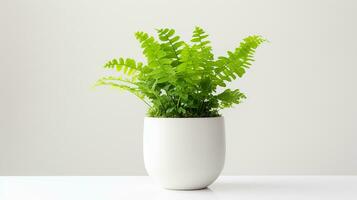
185 189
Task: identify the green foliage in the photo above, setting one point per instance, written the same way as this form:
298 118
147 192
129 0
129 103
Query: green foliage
181 79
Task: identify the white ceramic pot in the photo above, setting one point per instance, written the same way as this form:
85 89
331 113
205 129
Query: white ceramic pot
184 153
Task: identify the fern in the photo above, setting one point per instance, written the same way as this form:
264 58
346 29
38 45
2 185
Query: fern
179 79
171 44
127 66
238 61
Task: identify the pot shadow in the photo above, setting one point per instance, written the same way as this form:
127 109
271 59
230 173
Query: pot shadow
206 194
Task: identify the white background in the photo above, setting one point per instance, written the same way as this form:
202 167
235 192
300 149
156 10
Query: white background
299 118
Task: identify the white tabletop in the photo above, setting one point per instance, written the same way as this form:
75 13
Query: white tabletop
136 187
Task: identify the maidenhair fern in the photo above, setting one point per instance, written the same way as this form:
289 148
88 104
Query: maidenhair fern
181 79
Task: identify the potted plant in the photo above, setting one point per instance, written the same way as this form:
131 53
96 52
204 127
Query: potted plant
184 87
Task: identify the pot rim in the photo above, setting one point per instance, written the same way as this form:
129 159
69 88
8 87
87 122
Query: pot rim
183 118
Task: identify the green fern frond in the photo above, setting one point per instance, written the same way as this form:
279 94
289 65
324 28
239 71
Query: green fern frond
117 79
127 66
172 44
181 79
199 38
238 61
105 82
159 66
229 97
152 50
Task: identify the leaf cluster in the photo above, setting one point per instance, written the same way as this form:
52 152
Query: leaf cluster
181 79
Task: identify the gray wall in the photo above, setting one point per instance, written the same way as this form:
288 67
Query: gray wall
299 118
